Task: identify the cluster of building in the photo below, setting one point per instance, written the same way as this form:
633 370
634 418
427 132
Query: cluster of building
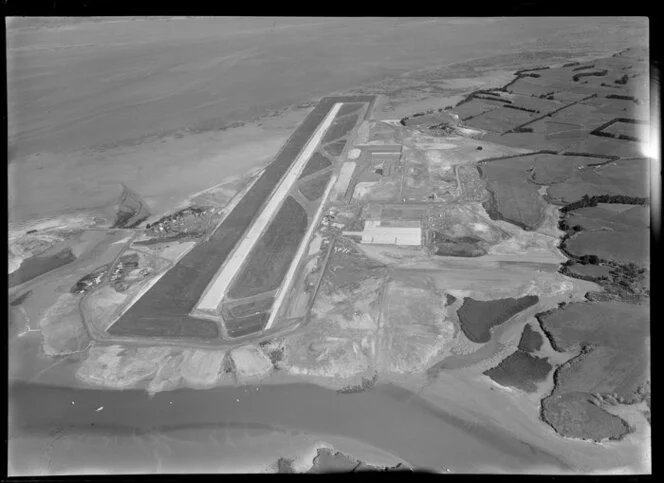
177 221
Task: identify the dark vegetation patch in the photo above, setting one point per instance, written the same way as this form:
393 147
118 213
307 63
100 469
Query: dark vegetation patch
477 317
272 254
339 128
38 265
622 97
167 326
20 299
597 73
132 210
584 67
314 188
450 299
250 308
520 370
592 201
456 247
316 163
620 128
239 327
574 415
531 340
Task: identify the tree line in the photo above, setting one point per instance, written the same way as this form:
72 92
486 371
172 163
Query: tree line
590 201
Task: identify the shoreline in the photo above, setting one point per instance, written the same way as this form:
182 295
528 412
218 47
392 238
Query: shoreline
433 392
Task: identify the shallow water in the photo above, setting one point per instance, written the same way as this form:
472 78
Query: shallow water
135 426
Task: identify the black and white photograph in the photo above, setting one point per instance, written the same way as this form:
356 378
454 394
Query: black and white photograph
330 244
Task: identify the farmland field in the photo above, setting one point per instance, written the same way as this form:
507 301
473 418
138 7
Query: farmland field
626 177
619 325
268 261
477 317
613 361
513 198
500 120
620 246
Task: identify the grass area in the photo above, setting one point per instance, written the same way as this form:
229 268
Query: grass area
339 128
531 340
620 246
314 189
520 370
626 178
171 326
238 327
619 325
500 120
513 198
249 308
477 317
349 109
335 149
315 164
268 261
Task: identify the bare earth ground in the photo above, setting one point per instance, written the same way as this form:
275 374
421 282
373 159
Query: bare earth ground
181 141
